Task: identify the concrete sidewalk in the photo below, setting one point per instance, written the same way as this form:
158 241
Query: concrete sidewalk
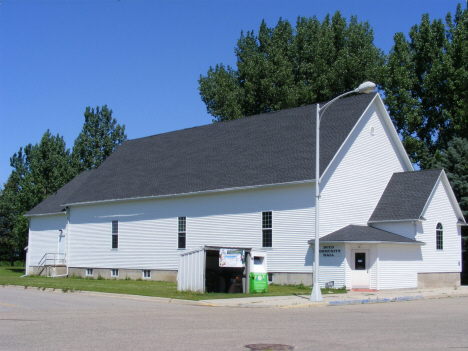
352 297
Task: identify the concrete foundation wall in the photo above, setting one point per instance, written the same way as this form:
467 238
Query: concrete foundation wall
438 280
49 271
292 278
164 275
33 270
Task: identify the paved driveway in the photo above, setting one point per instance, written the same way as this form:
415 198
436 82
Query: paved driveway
40 320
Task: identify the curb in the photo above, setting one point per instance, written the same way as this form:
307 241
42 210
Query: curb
104 294
378 300
203 303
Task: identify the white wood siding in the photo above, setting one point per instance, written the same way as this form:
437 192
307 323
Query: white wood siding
332 268
406 229
148 229
373 266
43 236
355 181
440 210
397 266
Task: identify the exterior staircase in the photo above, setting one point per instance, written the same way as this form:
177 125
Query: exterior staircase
52 265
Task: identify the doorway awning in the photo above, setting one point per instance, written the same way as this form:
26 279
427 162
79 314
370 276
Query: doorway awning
365 234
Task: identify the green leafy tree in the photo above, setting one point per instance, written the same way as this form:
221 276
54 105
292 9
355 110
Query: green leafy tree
98 139
49 168
285 67
38 171
455 162
8 213
426 86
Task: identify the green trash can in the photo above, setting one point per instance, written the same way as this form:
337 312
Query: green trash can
258 282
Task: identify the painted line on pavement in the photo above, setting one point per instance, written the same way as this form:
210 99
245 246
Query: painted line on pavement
7 304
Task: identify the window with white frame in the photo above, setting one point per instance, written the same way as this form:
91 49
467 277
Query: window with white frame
115 234
89 272
267 229
146 273
440 237
114 272
182 233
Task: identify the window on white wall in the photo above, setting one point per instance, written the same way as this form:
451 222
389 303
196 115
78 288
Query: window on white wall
182 232
115 234
89 272
440 236
146 273
270 277
267 229
114 272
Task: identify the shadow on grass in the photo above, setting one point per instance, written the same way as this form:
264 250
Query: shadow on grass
15 270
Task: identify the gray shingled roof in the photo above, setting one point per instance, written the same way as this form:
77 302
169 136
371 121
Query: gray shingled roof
54 203
405 196
361 233
270 148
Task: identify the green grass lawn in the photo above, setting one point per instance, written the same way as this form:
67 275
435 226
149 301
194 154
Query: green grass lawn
12 276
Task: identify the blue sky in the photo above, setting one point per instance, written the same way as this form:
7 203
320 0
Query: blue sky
142 58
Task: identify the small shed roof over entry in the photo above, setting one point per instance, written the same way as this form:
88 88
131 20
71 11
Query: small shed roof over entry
365 234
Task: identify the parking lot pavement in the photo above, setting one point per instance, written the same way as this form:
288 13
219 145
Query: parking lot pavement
37 320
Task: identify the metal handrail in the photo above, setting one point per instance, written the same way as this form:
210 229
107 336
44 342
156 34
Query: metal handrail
57 259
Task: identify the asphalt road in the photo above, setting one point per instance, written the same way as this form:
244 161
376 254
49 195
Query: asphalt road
41 320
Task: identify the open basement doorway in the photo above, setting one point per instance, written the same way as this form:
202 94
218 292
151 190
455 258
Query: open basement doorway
226 270
220 269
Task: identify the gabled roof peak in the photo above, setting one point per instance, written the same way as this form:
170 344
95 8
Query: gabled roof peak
407 195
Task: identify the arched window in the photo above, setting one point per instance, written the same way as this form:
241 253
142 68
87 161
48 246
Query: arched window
440 236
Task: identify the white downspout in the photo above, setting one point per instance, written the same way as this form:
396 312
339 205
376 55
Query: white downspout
26 263
68 238
68 245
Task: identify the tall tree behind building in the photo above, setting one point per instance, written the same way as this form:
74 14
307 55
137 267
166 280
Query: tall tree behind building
41 169
283 67
426 86
98 139
38 171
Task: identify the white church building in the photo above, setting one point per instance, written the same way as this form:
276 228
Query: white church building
250 183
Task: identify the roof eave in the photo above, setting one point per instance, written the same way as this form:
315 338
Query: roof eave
393 133
368 242
391 129
452 197
46 214
307 181
420 219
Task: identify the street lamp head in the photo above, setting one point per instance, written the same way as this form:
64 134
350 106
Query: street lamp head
365 88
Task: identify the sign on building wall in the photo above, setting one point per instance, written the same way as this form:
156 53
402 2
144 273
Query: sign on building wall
330 251
331 254
231 258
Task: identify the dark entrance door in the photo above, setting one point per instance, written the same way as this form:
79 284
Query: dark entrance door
360 261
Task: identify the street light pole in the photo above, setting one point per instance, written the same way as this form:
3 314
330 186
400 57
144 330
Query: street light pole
366 87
